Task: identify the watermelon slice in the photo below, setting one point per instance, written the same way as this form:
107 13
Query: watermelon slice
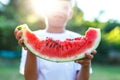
61 51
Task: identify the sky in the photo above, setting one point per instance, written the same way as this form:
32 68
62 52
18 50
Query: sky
4 1
93 8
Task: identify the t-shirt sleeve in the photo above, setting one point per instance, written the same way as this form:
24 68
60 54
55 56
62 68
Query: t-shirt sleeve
78 67
23 61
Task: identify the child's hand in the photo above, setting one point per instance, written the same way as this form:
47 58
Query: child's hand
18 35
87 60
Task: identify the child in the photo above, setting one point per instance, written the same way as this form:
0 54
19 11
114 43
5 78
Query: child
35 68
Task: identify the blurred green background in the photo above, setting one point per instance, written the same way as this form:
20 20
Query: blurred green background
105 64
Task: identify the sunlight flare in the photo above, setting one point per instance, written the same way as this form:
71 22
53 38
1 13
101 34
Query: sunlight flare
44 7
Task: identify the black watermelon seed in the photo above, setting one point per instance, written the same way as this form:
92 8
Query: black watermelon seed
46 44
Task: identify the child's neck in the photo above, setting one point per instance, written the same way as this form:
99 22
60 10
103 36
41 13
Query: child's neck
55 29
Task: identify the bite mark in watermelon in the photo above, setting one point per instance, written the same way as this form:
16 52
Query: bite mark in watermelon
61 51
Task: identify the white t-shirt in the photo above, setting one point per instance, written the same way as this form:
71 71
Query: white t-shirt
52 70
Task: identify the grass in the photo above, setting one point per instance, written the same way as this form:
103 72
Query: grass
10 71
105 72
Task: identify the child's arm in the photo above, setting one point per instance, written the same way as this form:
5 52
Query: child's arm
31 67
30 72
84 73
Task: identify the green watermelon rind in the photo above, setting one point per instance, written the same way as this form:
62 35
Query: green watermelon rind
82 55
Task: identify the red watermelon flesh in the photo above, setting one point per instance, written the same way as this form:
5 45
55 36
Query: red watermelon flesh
61 51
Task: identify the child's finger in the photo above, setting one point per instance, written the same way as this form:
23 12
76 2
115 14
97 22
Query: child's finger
15 31
21 41
94 52
79 61
88 56
19 35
